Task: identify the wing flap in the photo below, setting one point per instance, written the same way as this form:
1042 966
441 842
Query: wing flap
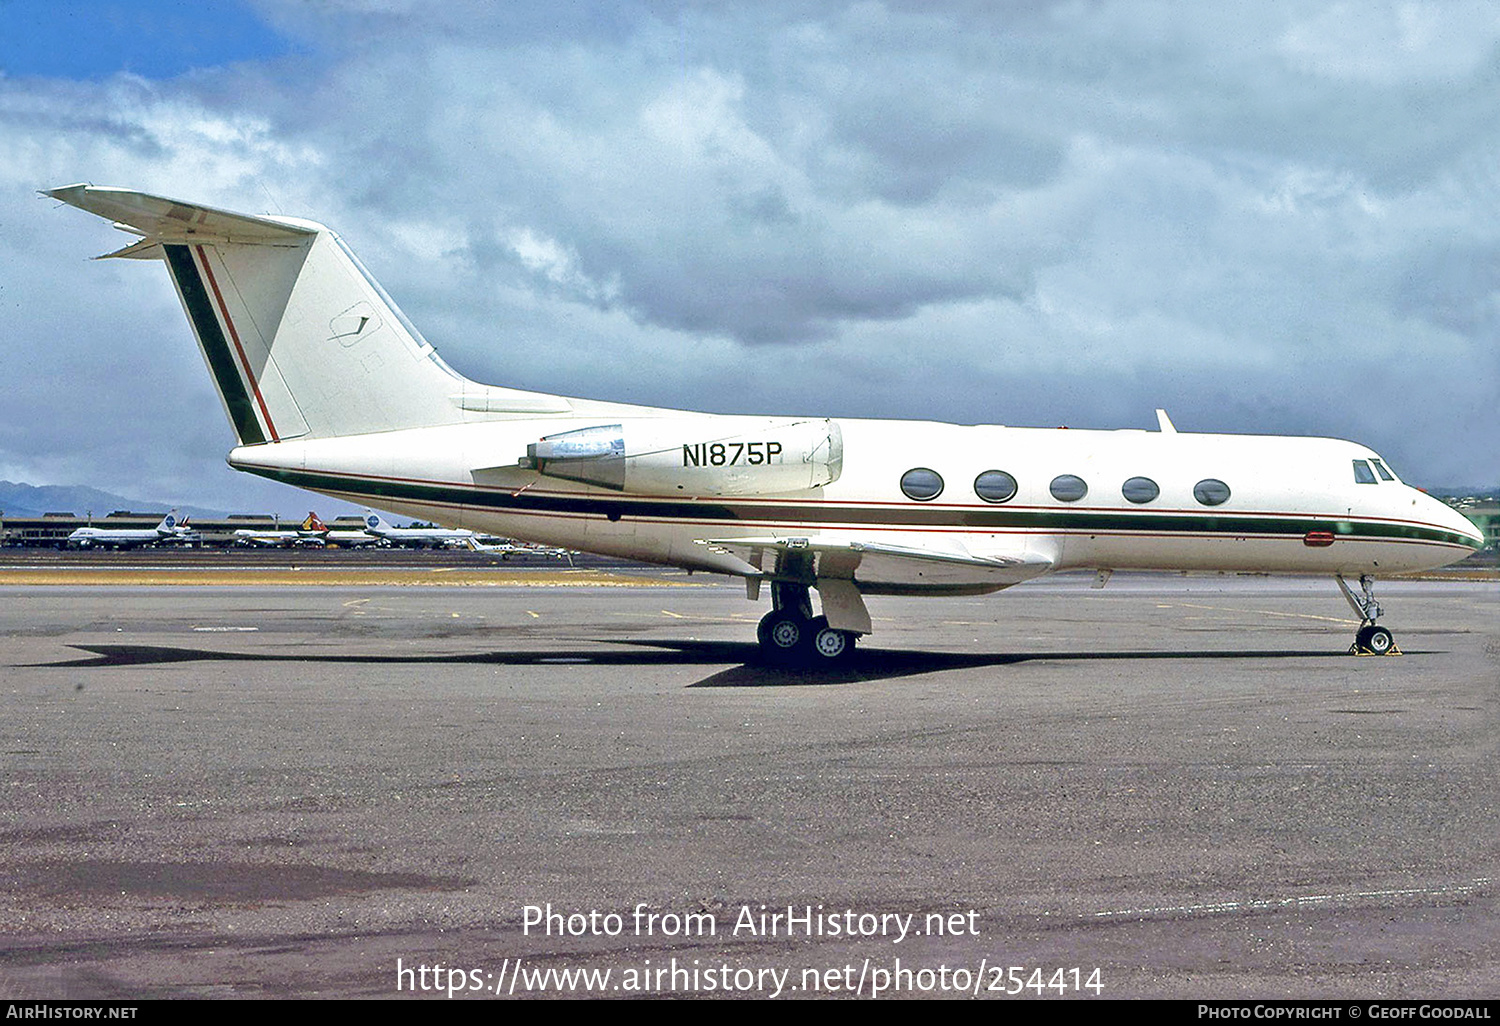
883 565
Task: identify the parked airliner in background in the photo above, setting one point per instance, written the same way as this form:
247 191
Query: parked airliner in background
353 537
312 532
329 387
423 537
169 531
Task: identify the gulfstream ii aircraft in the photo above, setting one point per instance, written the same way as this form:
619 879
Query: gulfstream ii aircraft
330 388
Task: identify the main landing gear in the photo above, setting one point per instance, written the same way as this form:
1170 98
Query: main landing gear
1370 639
790 635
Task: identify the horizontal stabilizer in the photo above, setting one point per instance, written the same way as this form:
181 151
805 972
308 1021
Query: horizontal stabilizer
141 249
162 219
877 566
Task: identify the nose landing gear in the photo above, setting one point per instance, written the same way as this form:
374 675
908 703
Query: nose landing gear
1370 639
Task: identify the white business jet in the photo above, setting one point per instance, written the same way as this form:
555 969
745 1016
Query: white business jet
505 549
169 531
329 387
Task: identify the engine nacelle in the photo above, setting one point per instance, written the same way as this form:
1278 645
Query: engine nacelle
695 456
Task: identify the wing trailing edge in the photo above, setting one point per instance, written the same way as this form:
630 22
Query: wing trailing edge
883 567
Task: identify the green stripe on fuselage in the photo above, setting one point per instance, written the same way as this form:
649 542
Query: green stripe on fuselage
912 517
215 346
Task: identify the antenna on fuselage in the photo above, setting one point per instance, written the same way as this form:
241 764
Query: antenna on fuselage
1164 423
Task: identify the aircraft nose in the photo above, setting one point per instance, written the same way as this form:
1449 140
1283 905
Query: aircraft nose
1448 518
1474 533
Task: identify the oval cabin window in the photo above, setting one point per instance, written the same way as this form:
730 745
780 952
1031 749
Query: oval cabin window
1211 492
1139 490
1068 488
995 486
921 484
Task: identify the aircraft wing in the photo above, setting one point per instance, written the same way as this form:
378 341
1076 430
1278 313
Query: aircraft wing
885 566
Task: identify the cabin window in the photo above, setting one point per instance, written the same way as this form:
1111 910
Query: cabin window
1211 492
922 484
1140 489
1363 474
1385 475
1068 488
995 486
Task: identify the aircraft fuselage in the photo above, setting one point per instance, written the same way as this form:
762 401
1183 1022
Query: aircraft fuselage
1292 504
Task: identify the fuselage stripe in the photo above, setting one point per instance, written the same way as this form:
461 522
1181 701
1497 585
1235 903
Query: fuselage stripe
238 348
215 348
923 519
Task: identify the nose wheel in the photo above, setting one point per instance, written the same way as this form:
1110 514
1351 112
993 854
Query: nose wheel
1371 638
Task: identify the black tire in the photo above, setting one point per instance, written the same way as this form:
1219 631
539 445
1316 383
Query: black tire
825 645
763 630
782 635
1379 641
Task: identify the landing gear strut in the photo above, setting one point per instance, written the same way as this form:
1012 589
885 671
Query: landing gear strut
1370 639
790 635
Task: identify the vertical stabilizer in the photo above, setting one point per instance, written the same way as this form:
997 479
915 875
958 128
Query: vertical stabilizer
300 340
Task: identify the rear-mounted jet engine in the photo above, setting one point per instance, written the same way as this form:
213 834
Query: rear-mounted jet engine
695 456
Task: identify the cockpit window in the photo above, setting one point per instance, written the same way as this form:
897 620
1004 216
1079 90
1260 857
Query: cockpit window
1363 474
1385 475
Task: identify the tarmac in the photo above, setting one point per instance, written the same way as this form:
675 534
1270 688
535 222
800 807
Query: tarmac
1177 787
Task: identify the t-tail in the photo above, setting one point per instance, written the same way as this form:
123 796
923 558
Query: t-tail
301 341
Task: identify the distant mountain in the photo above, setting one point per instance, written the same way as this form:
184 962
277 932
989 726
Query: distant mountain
24 500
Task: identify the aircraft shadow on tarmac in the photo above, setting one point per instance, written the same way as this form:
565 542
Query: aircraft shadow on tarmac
866 664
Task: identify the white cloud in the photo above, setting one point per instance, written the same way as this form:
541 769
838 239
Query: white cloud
558 265
1390 44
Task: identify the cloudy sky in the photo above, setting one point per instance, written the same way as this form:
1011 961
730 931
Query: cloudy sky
1279 217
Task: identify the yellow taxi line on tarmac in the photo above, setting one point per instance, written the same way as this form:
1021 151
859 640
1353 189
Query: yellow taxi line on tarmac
455 577
1261 612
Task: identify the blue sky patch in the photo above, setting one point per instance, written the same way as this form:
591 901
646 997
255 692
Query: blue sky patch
156 39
